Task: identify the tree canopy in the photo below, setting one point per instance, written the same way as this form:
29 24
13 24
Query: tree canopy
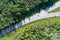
13 11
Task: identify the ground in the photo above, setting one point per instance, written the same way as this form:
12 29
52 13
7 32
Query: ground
44 29
55 10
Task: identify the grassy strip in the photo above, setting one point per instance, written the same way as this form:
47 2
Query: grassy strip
55 10
37 30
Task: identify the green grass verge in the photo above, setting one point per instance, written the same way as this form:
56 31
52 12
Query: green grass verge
55 10
45 29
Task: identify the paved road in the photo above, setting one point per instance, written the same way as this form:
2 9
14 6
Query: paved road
42 14
37 16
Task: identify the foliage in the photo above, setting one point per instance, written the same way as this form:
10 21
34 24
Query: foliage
45 29
13 11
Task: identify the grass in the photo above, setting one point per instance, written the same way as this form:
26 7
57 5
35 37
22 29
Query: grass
45 29
55 10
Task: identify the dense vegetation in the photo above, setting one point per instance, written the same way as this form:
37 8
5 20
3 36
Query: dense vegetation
13 11
55 10
45 29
